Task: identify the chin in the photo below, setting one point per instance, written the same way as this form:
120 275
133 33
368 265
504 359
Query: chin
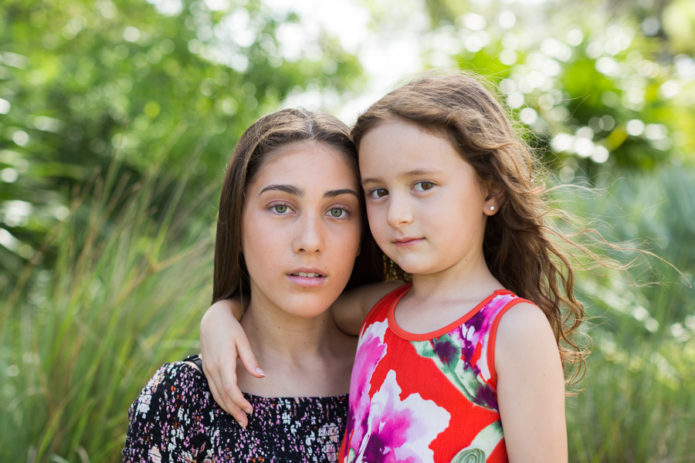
308 312
309 307
413 267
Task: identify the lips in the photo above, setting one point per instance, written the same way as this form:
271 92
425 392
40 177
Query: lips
309 278
408 241
306 274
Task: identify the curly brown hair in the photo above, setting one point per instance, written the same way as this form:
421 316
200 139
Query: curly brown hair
521 249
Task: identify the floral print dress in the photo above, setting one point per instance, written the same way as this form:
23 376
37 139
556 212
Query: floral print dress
175 419
426 397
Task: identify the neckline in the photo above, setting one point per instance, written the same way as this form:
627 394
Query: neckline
263 398
400 332
255 397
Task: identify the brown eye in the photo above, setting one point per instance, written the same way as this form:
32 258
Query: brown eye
423 186
377 193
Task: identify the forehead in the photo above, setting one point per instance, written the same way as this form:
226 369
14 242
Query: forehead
307 160
394 144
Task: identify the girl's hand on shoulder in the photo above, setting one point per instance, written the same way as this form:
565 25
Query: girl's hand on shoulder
530 387
222 340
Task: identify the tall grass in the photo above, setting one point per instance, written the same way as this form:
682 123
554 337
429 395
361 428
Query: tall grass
638 398
79 339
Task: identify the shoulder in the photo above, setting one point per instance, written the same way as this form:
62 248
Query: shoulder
521 317
175 381
175 397
521 323
174 388
524 338
530 386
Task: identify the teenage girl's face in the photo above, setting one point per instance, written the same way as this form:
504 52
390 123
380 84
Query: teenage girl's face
427 209
301 228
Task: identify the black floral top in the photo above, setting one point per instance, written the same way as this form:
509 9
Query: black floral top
176 419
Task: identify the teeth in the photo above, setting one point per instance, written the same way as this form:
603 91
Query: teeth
307 275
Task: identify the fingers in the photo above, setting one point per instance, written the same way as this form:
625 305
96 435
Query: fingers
247 357
221 339
222 381
223 400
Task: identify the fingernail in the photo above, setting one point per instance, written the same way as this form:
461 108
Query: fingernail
249 410
259 371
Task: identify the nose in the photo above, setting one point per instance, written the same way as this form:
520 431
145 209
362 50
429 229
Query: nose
309 238
399 212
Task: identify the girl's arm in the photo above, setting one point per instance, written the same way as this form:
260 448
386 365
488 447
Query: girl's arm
352 306
222 340
530 387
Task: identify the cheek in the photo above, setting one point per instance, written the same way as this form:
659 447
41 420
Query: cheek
375 217
345 241
256 243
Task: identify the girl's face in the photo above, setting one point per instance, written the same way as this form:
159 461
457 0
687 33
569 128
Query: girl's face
427 209
301 228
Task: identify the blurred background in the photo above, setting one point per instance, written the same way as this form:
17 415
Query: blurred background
117 118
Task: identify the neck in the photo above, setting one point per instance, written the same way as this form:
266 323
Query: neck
300 356
464 281
278 334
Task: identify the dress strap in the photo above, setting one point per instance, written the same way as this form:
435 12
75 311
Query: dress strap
196 360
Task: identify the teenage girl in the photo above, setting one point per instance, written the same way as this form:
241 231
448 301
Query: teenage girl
289 232
465 361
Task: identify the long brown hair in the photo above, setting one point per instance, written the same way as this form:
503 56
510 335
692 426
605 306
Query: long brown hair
267 134
519 246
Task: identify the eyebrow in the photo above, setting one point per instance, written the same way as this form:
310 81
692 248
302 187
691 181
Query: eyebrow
410 173
341 191
293 190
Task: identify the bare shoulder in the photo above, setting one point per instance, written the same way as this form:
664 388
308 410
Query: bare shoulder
530 386
524 334
522 317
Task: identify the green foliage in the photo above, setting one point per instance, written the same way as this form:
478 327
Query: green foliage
116 122
637 401
598 90
83 80
79 339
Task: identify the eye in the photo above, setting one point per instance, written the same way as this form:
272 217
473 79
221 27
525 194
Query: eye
338 212
280 209
377 193
423 185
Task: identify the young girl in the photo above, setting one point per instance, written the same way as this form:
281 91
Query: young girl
464 362
289 230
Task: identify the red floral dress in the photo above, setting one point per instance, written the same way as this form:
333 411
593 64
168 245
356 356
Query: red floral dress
426 397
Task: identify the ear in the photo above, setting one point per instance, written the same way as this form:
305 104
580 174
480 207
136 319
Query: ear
493 199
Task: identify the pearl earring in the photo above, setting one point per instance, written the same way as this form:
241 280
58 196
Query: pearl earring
492 208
